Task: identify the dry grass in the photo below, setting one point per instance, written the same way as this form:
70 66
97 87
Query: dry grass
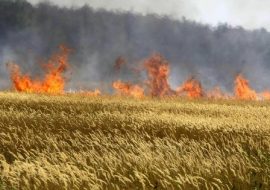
78 142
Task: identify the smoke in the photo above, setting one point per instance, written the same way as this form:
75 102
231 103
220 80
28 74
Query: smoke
215 55
177 8
250 14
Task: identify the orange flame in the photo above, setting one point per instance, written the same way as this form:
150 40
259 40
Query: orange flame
157 69
216 93
266 95
158 72
96 92
242 89
53 82
192 88
128 89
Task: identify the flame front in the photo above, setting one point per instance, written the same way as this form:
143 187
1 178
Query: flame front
192 88
96 92
157 85
242 89
266 95
158 72
22 83
128 89
53 82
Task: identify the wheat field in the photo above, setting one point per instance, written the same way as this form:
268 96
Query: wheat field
83 142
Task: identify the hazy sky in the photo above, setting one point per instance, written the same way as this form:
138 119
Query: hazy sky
247 13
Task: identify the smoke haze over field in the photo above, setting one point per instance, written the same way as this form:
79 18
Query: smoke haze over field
214 54
250 14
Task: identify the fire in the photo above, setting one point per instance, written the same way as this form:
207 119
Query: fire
242 89
192 88
157 85
22 82
266 95
217 93
128 89
158 72
53 82
96 92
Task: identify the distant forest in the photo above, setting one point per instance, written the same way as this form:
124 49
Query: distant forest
213 54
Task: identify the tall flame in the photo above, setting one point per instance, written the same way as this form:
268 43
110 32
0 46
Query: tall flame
53 82
158 72
192 88
242 89
128 89
157 85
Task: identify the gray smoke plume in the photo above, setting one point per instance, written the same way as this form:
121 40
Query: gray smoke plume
214 55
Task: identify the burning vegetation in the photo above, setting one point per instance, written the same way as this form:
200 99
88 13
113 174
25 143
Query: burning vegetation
125 88
242 89
157 71
53 81
191 88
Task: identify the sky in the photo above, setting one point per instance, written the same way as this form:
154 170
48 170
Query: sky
250 14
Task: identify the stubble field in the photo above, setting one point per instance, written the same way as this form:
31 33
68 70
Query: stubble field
83 142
